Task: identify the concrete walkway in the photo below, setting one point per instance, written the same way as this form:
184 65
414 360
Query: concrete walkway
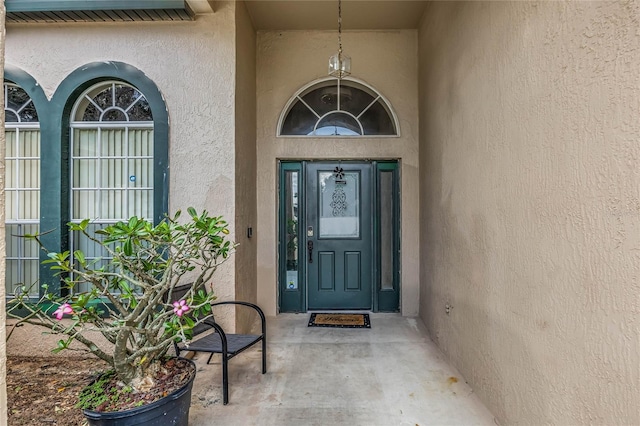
391 374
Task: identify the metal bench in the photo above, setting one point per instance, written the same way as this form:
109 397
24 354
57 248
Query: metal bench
220 342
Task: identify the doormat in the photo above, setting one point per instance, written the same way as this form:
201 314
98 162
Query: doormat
340 320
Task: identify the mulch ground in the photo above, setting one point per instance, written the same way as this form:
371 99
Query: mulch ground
44 390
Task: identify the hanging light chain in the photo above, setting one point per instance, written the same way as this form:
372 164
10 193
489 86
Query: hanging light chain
339 64
340 28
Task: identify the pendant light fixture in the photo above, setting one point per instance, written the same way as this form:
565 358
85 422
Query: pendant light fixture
339 64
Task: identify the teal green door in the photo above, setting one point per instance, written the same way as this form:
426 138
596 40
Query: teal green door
338 233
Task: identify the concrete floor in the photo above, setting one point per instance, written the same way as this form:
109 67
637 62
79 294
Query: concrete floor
391 374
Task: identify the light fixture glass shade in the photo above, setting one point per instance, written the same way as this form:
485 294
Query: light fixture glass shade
339 65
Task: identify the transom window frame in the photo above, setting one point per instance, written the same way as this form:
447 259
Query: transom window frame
297 97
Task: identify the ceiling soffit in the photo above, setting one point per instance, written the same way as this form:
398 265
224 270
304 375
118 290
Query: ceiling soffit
322 14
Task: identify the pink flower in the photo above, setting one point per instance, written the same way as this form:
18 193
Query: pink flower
63 309
180 307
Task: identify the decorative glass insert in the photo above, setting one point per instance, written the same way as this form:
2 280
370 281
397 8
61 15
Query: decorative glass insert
291 229
22 190
338 108
339 204
387 236
112 163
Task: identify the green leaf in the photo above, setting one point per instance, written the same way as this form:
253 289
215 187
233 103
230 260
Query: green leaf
79 255
127 248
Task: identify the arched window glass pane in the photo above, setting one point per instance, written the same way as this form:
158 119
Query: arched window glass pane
104 99
91 113
299 121
140 111
10 117
338 124
16 97
114 115
18 105
29 113
125 96
377 121
355 100
323 99
338 108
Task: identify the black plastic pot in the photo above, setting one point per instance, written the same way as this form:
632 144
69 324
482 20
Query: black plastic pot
173 409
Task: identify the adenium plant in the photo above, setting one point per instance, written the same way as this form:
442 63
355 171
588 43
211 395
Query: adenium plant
129 302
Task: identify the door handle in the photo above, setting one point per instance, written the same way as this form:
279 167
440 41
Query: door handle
310 249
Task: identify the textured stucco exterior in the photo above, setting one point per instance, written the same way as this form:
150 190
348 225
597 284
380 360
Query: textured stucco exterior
193 65
288 60
245 164
530 204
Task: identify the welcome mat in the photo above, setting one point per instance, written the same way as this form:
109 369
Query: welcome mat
340 320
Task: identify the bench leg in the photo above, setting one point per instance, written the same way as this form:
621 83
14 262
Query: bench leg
210 356
225 380
264 354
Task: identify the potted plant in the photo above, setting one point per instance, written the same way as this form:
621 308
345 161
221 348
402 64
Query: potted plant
129 302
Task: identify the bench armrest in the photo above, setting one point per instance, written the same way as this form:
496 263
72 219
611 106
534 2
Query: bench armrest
250 305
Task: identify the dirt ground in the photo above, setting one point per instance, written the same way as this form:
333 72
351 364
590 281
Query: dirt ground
44 390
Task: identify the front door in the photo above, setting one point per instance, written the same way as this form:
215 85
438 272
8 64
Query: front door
338 233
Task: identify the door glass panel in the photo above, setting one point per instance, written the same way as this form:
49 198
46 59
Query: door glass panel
386 230
291 231
339 205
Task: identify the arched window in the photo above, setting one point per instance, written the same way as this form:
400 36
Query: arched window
22 188
334 107
111 159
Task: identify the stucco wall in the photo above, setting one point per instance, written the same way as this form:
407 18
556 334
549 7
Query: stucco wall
193 65
530 204
245 163
288 60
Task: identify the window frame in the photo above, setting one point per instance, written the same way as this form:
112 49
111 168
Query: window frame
16 127
297 97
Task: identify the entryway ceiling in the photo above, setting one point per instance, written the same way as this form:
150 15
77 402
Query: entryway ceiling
323 14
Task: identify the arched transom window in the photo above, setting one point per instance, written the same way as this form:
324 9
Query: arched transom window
335 107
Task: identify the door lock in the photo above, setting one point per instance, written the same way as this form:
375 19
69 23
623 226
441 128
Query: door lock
310 249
